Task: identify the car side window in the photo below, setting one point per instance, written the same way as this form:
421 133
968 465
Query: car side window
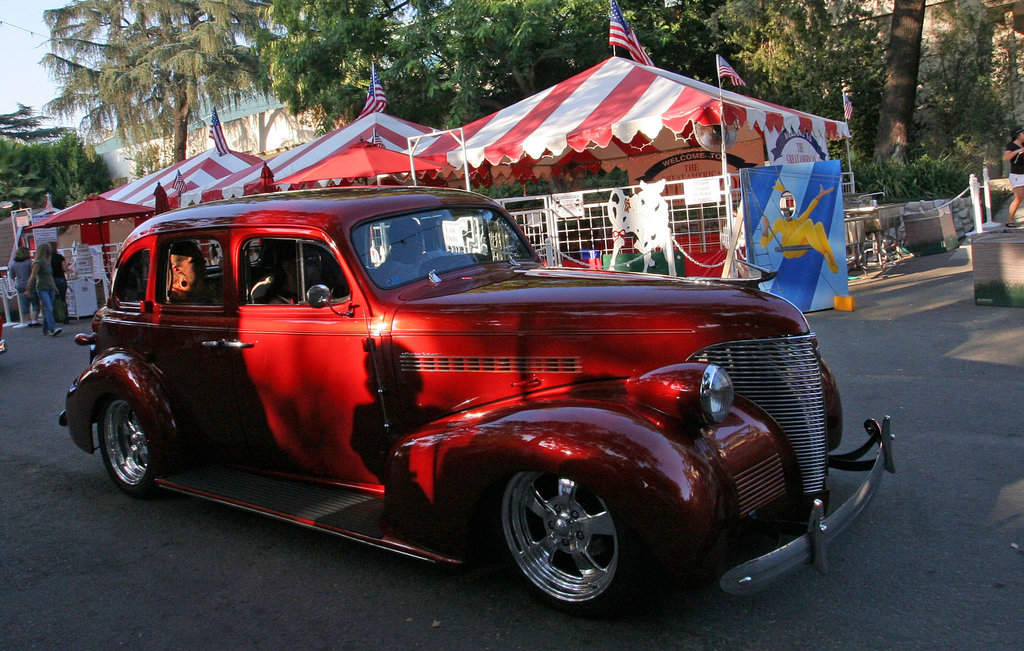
192 272
130 281
279 271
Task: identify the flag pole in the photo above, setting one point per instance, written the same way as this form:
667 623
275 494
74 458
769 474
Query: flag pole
849 159
726 181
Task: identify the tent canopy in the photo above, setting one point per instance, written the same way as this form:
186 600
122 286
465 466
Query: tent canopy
361 160
611 111
199 171
95 208
393 133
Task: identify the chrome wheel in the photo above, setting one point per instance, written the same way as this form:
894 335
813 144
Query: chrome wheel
125 448
561 536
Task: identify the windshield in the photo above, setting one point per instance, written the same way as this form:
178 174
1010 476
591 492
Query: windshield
396 251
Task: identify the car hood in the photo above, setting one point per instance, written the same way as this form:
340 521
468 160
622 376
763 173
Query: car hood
478 339
545 302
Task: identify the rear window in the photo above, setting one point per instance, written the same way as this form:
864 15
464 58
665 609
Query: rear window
131 277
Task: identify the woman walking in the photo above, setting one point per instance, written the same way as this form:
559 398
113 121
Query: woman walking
41 281
21 271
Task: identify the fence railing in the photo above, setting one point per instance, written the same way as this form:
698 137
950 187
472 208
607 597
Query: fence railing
619 226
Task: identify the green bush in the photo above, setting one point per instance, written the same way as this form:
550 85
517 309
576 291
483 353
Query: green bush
917 180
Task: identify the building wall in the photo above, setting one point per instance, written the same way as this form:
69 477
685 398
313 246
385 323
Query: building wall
261 126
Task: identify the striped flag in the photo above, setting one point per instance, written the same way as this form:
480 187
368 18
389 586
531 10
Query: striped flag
847 107
179 184
726 71
217 134
375 99
620 34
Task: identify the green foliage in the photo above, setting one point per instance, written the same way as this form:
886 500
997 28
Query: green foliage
141 68
804 53
25 126
65 168
17 181
960 108
446 63
922 178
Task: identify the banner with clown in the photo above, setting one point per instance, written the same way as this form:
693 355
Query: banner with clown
794 225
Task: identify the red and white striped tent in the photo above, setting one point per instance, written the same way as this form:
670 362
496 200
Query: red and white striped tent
617 109
392 132
199 171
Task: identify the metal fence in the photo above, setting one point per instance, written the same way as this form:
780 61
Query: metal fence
580 228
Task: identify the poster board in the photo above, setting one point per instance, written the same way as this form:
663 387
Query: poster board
794 225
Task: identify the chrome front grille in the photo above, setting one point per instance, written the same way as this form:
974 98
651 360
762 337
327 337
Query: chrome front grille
783 377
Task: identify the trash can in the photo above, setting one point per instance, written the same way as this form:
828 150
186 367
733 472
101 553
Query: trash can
998 260
930 232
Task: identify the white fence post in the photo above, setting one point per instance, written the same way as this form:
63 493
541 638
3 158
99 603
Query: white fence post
988 194
976 203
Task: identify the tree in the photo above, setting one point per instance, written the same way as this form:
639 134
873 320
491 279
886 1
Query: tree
142 68
447 62
25 126
961 106
803 54
17 182
901 63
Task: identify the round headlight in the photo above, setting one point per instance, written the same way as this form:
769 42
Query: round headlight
716 393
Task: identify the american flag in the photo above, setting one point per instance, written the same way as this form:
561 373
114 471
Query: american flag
725 71
619 33
217 134
179 184
847 107
375 99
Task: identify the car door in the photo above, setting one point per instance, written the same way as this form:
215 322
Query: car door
195 343
306 386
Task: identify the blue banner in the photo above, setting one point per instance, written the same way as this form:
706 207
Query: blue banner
794 224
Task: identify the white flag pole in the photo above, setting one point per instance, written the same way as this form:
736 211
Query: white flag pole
727 268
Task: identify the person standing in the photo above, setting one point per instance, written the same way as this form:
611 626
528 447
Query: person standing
59 265
21 271
1015 154
41 281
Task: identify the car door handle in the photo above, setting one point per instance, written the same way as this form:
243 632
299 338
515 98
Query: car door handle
225 343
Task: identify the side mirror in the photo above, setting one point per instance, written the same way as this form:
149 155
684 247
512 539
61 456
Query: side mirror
318 296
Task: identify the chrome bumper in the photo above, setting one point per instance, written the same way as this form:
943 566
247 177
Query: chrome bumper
811 548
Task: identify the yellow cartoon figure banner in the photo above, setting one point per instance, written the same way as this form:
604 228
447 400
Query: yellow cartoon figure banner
795 225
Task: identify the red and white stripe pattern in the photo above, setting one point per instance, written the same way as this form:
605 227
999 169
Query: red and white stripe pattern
178 185
847 107
727 72
616 99
201 170
622 35
217 135
392 132
376 101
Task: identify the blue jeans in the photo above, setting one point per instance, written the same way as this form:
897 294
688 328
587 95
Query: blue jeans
46 301
27 305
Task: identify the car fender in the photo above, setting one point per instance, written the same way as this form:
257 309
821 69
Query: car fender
124 374
668 484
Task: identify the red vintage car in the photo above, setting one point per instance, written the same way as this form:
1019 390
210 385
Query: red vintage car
395 366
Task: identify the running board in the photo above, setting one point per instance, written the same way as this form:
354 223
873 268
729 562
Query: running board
343 512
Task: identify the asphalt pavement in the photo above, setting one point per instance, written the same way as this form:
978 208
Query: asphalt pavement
937 560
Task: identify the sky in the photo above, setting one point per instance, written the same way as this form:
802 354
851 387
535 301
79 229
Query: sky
22 78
